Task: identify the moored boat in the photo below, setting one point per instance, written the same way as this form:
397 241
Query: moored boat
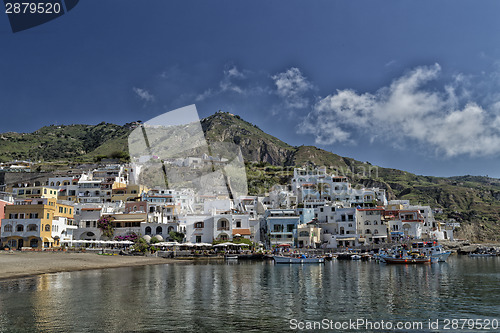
432 249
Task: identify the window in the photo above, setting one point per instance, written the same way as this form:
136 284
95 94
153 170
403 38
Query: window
290 227
32 227
198 225
7 228
368 231
45 191
198 239
34 242
159 230
238 224
148 230
367 223
47 227
48 216
20 228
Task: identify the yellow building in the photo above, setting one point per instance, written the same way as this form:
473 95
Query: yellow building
123 192
35 192
29 222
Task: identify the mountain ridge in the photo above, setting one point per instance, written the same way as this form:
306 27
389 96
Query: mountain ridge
472 200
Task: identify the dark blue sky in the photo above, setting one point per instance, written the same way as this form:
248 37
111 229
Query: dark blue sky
412 85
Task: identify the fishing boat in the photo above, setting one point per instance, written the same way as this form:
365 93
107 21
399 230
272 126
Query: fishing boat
405 257
298 260
432 249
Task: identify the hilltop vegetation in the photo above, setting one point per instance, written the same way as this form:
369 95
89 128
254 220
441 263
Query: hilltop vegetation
472 200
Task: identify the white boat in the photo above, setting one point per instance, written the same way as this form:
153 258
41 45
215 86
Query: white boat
433 250
355 257
297 260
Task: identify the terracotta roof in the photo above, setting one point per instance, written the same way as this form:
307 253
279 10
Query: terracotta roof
242 232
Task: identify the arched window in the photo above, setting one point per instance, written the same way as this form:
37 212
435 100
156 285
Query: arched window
368 231
148 230
20 228
375 232
172 228
32 227
159 230
367 223
223 224
375 222
47 227
7 228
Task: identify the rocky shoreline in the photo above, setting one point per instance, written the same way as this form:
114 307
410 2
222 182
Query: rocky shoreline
467 247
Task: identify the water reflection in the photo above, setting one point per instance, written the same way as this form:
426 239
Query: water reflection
247 296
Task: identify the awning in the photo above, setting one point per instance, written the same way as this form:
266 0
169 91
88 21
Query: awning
48 239
346 239
380 236
242 232
128 221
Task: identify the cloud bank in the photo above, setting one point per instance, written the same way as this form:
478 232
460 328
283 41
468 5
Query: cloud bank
406 110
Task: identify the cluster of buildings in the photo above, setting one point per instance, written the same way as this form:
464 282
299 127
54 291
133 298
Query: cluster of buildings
316 210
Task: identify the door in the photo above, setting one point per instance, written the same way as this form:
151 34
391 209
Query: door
20 244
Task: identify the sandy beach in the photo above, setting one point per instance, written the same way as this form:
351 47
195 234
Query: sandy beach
20 264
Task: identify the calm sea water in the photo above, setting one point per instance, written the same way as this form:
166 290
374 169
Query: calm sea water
253 297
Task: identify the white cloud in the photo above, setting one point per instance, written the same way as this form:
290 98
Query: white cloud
407 111
291 85
144 94
235 81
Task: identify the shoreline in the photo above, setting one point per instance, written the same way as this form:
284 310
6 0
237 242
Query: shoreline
17 265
